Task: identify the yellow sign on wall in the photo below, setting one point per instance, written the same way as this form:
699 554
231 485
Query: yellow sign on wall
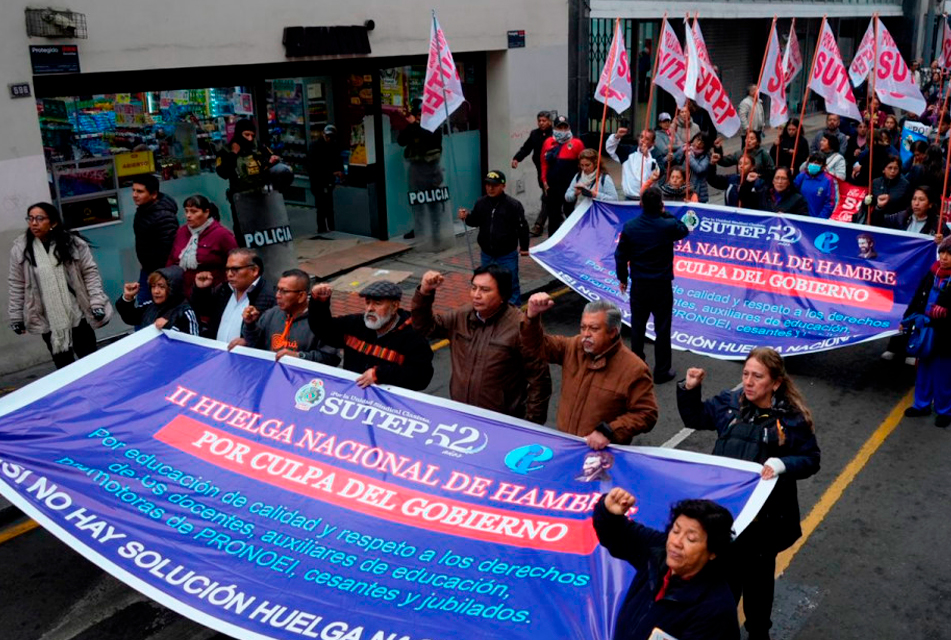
132 164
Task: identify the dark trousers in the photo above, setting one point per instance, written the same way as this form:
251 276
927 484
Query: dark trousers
84 343
652 297
752 571
555 208
324 201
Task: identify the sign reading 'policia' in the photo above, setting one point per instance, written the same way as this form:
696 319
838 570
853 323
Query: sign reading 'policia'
429 196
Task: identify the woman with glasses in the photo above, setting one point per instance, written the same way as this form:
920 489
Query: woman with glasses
168 308
55 287
202 243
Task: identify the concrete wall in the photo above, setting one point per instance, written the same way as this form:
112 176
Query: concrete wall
184 33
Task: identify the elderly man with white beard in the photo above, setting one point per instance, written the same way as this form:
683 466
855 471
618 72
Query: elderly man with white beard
380 344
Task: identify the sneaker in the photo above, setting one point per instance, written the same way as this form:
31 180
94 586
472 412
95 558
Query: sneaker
888 355
942 421
915 412
911 361
661 378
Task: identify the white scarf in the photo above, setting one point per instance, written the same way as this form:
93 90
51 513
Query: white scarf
62 310
586 180
188 258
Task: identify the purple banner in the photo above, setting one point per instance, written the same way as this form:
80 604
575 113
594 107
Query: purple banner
744 279
280 500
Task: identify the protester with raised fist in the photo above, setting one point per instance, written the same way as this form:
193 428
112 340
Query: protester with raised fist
765 421
168 308
680 586
380 344
607 395
490 367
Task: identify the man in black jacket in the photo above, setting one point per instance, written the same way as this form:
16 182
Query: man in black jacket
503 231
380 344
533 146
221 308
325 168
647 245
154 226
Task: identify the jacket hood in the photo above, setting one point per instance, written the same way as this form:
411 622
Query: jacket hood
175 277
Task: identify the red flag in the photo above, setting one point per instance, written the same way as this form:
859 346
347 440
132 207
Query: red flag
672 65
829 78
614 87
774 82
894 83
704 87
442 89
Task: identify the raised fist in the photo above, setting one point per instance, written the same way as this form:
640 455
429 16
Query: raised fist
250 314
130 290
694 377
321 292
618 501
430 282
204 279
539 303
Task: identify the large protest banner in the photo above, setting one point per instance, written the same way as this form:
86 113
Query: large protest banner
280 500
745 279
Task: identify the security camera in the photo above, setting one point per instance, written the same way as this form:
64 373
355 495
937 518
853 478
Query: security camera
60 21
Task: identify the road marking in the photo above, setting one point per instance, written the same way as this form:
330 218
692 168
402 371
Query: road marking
848 474
16 530
442 344
835 490
679 437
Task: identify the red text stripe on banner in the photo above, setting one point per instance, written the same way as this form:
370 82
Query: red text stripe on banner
370 496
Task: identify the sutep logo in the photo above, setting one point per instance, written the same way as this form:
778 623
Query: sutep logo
310 395
827 242
782 233
522 459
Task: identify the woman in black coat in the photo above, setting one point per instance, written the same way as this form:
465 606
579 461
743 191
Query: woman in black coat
790 150
782 196
168 308
680 586
765 421
933 376
890 192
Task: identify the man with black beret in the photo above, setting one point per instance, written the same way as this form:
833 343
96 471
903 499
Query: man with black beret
380 344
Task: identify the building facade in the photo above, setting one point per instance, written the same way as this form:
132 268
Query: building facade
118 89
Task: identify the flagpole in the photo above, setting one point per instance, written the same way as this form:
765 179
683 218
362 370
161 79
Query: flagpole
947 163
650 94
759 82
872 117
452 154
604 113
805 97
779 133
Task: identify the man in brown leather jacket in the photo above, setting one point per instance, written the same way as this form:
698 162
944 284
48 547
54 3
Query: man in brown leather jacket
490 368
607 394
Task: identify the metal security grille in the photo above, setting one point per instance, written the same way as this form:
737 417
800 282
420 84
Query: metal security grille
53 23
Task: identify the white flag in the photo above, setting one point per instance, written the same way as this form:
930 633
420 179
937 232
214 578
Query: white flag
704 87
672 65
614 87
774 82
894 83
862 62
944 54
829 78
442 90
792 58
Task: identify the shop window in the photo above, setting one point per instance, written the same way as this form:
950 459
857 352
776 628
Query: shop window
172 133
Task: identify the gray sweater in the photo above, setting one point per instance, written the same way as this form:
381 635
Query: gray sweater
268 334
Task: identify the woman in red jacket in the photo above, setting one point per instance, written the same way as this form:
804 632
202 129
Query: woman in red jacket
202 243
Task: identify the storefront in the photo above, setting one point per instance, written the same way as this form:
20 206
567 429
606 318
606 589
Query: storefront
94 143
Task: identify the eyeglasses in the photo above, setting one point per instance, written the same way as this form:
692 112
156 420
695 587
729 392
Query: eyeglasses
237 269
284 292
32 219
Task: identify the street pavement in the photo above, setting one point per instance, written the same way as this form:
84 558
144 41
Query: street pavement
874 560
